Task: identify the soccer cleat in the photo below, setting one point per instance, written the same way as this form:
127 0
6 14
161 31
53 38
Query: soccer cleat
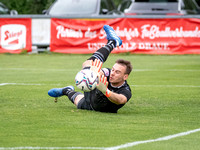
111 35
57 92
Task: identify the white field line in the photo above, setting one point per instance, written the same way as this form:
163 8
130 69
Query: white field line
49 148
165 138
186 86
3 84
39 69
175 70
135 70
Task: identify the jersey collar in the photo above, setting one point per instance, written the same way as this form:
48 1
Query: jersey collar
118 86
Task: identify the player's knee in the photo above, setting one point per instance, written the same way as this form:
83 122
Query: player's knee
87 63
78 98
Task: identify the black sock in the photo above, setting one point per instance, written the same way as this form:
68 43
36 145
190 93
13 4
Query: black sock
71 94
103 53
111 44
66 91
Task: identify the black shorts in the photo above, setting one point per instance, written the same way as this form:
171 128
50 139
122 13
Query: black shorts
84 103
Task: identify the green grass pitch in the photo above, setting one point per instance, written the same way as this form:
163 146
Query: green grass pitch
165 101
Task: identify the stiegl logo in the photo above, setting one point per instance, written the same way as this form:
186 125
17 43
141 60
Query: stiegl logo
13 36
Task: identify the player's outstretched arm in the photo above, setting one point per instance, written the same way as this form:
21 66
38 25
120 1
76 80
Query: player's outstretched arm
117 98
112 96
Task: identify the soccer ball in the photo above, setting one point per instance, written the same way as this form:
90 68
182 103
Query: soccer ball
86 80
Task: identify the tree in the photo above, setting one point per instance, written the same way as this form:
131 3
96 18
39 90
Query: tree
33 6
28 6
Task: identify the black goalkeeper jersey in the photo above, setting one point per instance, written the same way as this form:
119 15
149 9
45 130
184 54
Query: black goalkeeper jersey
99 102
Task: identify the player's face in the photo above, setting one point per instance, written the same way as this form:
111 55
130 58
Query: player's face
117 75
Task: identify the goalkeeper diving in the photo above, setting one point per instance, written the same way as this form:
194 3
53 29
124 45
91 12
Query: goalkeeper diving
112 91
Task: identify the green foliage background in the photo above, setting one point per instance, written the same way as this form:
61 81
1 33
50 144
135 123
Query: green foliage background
32 6
28 6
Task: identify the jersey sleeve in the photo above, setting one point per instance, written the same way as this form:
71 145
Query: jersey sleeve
126 92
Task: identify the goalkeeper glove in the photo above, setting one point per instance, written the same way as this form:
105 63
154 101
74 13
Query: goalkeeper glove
103 86
96 66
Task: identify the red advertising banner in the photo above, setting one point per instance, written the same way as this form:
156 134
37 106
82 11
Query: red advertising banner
15 35
150 36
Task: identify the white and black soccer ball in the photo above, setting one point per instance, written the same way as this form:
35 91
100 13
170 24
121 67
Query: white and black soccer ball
86 80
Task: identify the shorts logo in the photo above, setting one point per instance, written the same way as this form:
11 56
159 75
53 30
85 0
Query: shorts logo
13 36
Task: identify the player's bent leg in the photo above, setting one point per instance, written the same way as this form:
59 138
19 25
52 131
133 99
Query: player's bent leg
111 35
83 104
87 63
113 41
80 102
78 98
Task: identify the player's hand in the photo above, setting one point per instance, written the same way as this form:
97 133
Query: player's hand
96 66
103 86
